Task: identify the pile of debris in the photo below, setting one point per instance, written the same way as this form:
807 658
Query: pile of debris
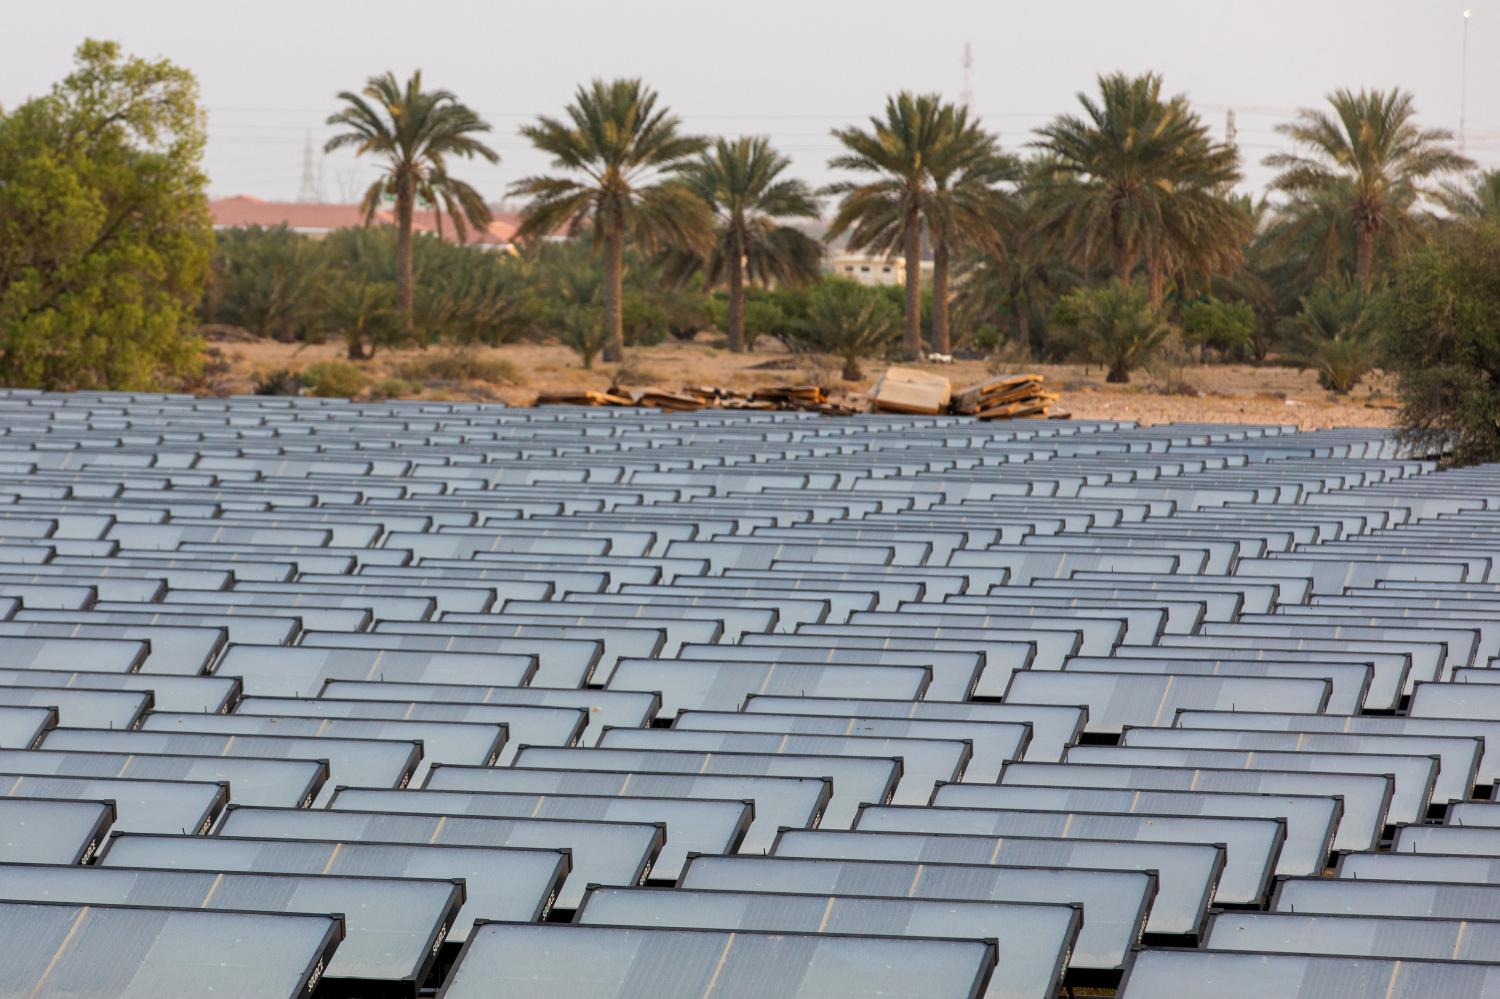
899 390
810 398
906 390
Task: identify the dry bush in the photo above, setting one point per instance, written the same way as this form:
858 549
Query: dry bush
459 364
630 372
1010 358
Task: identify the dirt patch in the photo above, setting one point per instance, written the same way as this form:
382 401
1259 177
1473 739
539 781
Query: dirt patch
1230 393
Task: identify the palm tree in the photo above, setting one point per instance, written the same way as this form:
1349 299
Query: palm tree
962 206
623 157
1137 182
1480 199
1020 271
741 181
884 214
1371 161
414 131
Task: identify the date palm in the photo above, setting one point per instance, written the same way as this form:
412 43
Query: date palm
622 159
884 214
415 132
741 181
1479 199
962 207
1136 182
1370 161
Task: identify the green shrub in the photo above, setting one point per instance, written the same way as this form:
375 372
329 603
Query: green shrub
1335 334
1114 325
850 321
333 380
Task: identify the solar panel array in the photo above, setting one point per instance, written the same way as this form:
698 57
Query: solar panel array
304 697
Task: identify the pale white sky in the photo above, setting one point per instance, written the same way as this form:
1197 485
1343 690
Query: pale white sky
791 70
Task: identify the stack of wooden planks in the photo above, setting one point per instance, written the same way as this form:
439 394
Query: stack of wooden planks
791 396
583 397
1007 398
907 390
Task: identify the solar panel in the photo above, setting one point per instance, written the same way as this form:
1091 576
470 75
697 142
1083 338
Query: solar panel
630 962
299 672
701 825
506 883
393 926
1036 938
1412 776
1115 902
77 950
535 725
82 708
1116 701
441 741
603 852
1458 758
779 802
1310 821
23 727
52 830
1233 975
604 707
924 762
362 762
256 780
170 693
1353 936
140 805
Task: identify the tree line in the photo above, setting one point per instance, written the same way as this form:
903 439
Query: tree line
1115 231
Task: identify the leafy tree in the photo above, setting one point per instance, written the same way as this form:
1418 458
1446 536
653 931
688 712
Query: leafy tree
623 159
1114 324
963 207
1212 324
741 180
267 281
1442 338
1335 334
105 238
1362 170
415 132
850 321
884 213
1137 182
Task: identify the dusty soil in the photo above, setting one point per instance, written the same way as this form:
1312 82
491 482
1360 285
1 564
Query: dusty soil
1213 393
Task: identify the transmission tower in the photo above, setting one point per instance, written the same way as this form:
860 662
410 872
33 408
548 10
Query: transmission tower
311 189
1231 131
968 95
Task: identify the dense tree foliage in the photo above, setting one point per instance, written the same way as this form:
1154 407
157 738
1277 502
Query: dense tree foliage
104 227
1441 322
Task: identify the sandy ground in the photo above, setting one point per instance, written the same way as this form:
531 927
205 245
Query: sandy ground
1220 393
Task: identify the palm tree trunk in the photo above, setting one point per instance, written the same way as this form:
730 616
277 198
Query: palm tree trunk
1364 261
736 303
940 295
1022 306
913 340
614 289
404 199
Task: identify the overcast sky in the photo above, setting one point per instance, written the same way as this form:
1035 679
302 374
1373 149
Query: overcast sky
790 69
